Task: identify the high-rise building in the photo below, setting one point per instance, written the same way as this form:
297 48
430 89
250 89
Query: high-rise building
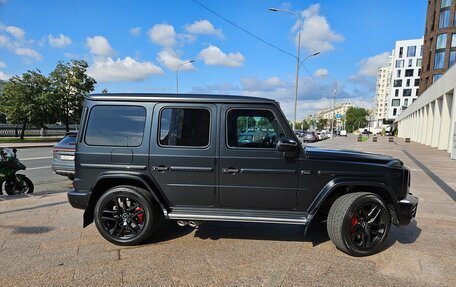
439 41
382 91
405 77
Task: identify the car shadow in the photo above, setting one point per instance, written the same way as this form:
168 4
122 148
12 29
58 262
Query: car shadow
169 230
405 234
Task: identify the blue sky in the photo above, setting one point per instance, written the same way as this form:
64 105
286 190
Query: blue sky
135 46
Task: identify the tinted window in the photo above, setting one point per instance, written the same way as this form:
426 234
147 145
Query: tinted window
252 129
116 126
184 127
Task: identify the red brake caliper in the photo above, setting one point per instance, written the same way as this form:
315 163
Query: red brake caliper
140 216
354 221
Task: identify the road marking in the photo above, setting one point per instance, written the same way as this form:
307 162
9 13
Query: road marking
33 158
39 167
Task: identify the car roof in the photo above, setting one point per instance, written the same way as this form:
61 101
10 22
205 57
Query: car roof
200 98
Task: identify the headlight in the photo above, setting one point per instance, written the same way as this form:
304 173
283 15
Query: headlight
396 163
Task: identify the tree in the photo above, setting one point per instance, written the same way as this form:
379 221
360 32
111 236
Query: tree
69 85
355 117
298 125
321 124
104 91
25 100
305 125
2 115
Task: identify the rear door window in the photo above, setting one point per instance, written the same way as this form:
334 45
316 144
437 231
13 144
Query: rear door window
116 126
184 127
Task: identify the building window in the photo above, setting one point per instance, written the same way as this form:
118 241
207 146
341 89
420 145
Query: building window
398 72
397 83
436 77
401 51
416 94
421 51
396 103
417 82
409 73
439 60
441 41
445 3
407 83
452 58
453 40
444 20
406 102
396 92
418 62
399 63
410 63
419 72
407 92
394 112
411 51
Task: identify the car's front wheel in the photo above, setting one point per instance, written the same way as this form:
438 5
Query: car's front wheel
126 215
359 223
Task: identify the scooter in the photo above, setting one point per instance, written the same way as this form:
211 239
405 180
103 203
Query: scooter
9 165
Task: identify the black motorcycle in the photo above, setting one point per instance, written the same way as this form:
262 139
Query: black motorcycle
9 165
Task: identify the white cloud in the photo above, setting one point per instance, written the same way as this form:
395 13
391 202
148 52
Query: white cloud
316 33
122 70
169 58
254 84
4 77
203 27
136 31
60 41
99 46
162 34
321 72
2 65
212 55
17 32
27 52
369 66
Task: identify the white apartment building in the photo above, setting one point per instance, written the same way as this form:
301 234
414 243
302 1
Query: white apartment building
332 113
405 75
382 90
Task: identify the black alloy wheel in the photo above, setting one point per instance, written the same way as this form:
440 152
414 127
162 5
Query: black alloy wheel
359 223
125 215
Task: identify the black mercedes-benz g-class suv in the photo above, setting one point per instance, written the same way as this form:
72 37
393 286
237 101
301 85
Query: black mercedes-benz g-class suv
195 158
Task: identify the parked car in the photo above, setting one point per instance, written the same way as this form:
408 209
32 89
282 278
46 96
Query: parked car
366 132
309 137
343 133
145 157
63 156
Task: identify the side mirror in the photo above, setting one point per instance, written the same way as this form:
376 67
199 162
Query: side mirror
288 147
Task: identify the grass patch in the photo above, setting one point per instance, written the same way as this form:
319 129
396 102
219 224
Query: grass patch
30 139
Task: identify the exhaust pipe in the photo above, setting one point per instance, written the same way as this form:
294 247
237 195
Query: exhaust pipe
194 224
182 223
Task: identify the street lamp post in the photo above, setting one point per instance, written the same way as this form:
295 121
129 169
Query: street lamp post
177 73
334 106
298 62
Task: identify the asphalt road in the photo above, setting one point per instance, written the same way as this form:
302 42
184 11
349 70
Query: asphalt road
38 162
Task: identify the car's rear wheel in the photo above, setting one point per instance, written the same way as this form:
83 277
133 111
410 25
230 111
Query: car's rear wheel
126 215
359 223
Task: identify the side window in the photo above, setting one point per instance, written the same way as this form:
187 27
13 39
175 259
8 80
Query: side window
116 126
252 129
184 127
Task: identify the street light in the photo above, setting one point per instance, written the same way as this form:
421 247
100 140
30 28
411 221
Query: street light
177 73
298 62
334 104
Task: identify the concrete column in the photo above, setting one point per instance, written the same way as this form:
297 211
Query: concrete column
424 133
452 140
430 123
419 126
445 125
415 124
437 119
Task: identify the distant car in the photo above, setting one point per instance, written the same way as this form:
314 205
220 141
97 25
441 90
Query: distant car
299 133
366 132
309 137
320 136
343 133
63 156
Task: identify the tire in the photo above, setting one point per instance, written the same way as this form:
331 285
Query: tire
359 223
130 225
11 187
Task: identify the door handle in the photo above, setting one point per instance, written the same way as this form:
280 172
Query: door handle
160 168
230 170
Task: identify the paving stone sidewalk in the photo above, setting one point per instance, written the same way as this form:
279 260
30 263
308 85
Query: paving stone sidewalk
42 243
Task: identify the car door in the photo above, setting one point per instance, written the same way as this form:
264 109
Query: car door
252 173
183 151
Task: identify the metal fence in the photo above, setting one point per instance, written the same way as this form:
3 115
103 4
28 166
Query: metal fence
9 130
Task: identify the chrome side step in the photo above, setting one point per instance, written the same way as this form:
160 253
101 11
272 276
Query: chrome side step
300 218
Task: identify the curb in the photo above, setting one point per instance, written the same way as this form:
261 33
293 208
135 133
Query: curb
31 145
